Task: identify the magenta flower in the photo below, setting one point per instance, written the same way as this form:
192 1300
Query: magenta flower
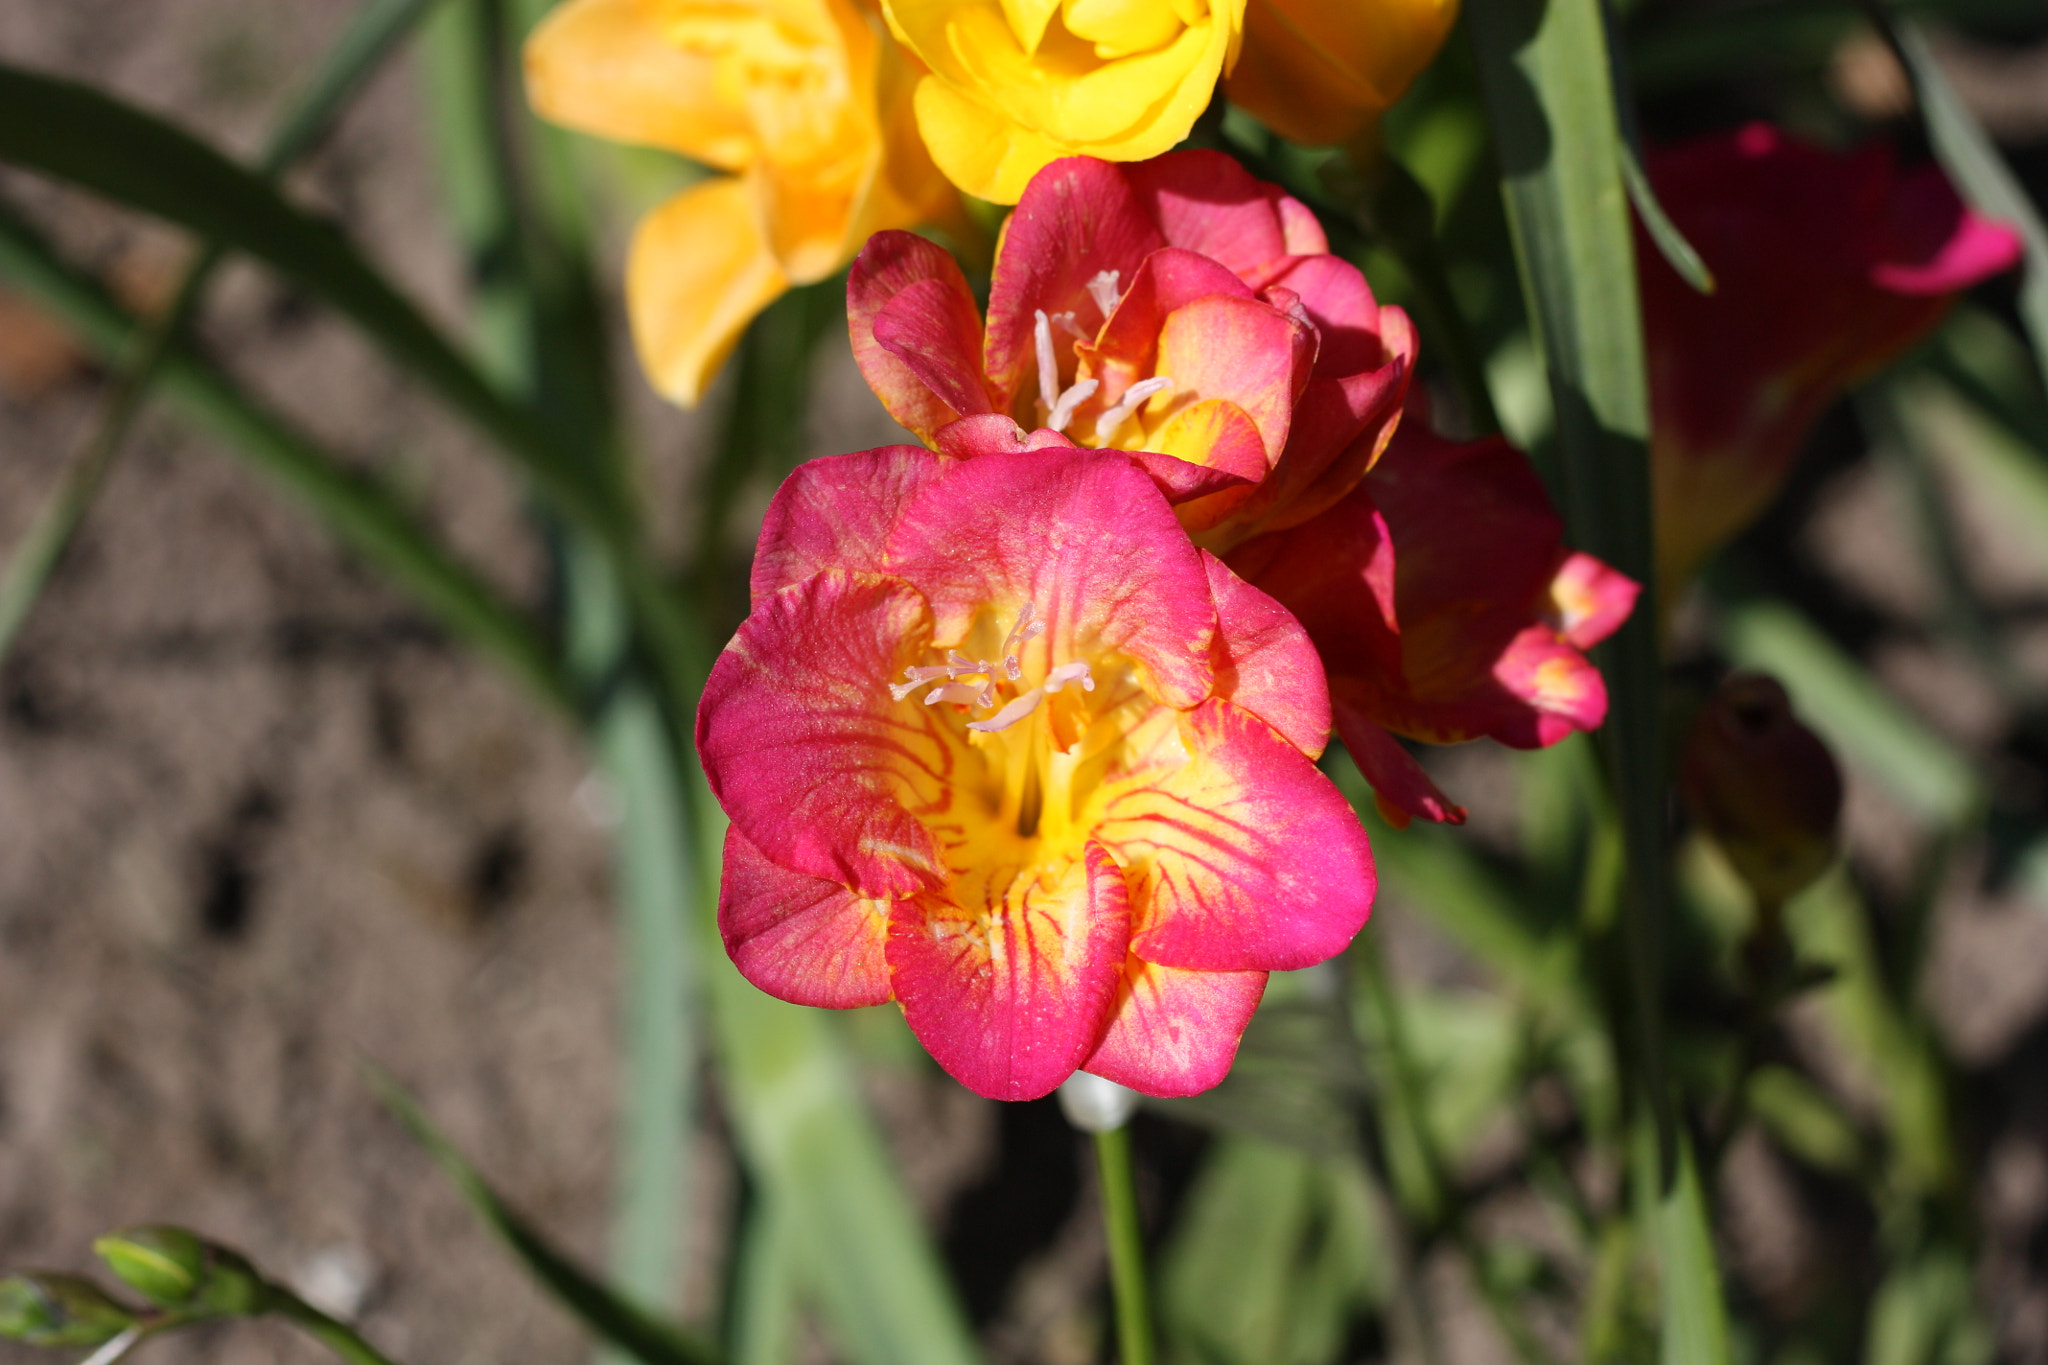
1828 265
1000 744
1175 306
1446 607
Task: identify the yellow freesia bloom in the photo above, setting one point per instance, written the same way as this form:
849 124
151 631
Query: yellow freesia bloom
1321 74
805 103
1015 84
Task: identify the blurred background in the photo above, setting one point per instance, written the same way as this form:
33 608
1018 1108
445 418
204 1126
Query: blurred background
262 818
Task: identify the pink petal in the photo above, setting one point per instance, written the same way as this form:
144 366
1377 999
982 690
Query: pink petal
934 328
1243 350
1266 663
1243 858
835 512
1559 690
1400 787
1076 219
818 766
1217 434
994 433
890 263
1085 538
1011 996
1175 1032
1183 481
1938 244
799 938
1341 305
1591 599
1205 201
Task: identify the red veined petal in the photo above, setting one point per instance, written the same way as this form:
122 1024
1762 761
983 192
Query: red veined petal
802 939
1175 1032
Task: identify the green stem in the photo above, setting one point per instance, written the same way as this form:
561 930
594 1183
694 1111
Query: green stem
1126 1247
335 1335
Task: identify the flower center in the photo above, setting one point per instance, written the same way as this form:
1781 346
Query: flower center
952 679
1057 405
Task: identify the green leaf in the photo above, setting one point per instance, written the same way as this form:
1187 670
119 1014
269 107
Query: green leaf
1273 1255
77 134
360 510
613 1318
1979 172
1694 1318
1670 241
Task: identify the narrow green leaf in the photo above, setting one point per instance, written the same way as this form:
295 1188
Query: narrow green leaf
1671 243
1978 170
644 1337
1694 1320
1859 720
377 28
360 510
80 135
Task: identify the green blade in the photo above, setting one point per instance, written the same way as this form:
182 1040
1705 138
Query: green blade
361 511
77 134
644 1337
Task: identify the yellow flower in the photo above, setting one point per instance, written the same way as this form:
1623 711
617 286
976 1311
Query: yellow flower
1321 74
807 105
1015 84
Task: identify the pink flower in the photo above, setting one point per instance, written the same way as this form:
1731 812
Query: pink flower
1175 306
1001 744
1827 266
1445 607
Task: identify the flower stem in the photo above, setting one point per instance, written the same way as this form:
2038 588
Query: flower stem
1126 1247
335 1335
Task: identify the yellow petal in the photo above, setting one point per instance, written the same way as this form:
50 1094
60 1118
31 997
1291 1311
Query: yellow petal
1120 28
605 67
698 272
979 150
1321 74
1028 18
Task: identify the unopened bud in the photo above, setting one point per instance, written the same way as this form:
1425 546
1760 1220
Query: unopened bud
173 1268
39 1308
1095 1105
1762 786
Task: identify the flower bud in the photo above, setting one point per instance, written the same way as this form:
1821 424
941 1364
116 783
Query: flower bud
173 1268
1763 786
1322 74
39 1308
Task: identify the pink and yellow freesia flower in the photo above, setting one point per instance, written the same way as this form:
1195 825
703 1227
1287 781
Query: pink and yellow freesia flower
1828 265
1000 744
1175 306
1446 607
804 105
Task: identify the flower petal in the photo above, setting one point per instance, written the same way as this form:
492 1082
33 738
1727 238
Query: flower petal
1011 996
1216 433
806 750
1081 535
890 263
1175 1032
836 512
801 939
1400 786
933 328
607 68
1591 599
698 272
1207 202
1242 858
979 149
1266 663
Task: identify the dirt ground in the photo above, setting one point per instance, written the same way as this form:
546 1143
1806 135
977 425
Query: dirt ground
260 821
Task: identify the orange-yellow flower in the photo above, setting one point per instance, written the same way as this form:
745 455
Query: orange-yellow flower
1322 74
806 104
1016 84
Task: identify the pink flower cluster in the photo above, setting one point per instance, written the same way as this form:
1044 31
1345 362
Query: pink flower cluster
1022 733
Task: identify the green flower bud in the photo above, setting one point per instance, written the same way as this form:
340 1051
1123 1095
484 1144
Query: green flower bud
173 1268
40 1308
1762 786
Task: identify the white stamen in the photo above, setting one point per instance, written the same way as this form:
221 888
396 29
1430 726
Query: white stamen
1067 673
1134 398
958 663
965 693
1048 363
1103 290
1063 411
1011 714
1024 631
1065 322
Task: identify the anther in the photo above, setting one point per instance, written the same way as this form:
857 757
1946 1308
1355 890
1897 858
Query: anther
1134 398
1048 363
1065 322
1067 673
1063 411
